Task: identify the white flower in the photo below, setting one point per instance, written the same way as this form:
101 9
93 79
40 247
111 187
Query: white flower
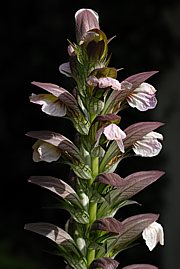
148 146
113 132
143 97
153 234
44 151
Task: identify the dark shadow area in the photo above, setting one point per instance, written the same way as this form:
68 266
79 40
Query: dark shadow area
33 44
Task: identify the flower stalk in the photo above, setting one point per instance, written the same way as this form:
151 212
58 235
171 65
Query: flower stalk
92 237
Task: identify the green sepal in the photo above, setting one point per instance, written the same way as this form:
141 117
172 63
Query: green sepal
111 158
98 151
94 106
82 170
104 72
97 48
81 124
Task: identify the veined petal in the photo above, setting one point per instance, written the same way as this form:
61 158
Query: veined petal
86 19
153 235
65 69
51 105
104 82
143 97
113 132
148 146
45 152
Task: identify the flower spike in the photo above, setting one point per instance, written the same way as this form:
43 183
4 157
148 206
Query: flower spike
92 236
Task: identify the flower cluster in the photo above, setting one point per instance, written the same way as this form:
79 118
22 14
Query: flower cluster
93 236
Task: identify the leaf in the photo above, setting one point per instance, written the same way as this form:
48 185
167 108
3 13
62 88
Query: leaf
57 186
136 131
104 263
64 144
108 224
132 228
140 266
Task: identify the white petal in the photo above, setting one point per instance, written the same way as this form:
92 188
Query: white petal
153 234
143 97
148 146
154 135
113 132
104 82
45 152
109 82
51 105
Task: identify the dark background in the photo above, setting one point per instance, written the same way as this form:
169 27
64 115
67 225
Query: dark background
33 44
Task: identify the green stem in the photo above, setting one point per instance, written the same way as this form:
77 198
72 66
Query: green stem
92 207
90 256
92 212
95 166
92 217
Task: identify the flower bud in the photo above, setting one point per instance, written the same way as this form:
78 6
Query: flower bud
86 19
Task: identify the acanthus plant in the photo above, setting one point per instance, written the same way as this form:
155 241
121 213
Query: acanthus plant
92 237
